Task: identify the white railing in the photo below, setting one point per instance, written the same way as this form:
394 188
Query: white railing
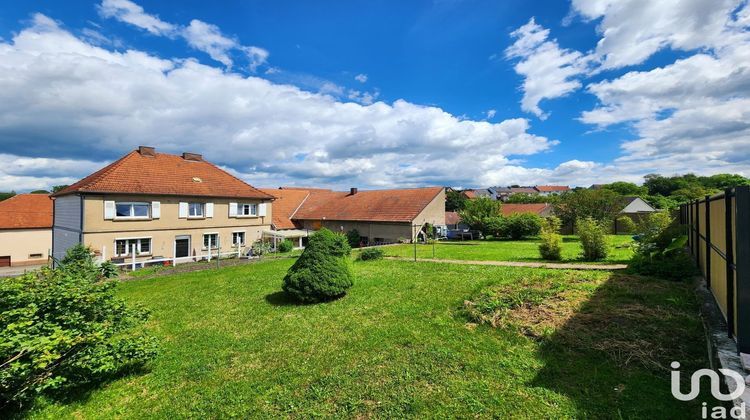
134 263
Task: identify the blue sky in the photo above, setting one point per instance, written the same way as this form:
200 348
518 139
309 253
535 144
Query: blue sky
378 94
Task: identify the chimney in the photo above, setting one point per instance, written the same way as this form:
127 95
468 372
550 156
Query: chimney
192 156
352 191
147 151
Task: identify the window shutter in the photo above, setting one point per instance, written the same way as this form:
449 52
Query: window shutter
183 211
232 209
209 209
155 209
262 209
109 210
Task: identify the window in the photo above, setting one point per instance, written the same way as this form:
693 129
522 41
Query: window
238 238
124 246
195 209
132 210
247 209
213 238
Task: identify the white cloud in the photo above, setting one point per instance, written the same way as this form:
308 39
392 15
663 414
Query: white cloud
361 78
548 70
129 12
24 174
633 30
77 101
199 35
491 113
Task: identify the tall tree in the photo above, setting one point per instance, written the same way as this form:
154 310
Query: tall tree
478 212
602 205
6 195
454 200
626 188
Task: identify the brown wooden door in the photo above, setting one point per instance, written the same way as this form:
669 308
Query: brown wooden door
5 261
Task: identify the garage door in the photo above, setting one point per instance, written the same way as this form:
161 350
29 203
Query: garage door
5 261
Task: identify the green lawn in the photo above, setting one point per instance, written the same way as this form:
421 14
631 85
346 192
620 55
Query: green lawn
400 344
502 250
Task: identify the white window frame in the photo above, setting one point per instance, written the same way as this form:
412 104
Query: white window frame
202 207
247 210
138 243
214 245
132 205
244 237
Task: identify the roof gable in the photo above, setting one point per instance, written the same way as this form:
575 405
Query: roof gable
164 174
26 211
287 202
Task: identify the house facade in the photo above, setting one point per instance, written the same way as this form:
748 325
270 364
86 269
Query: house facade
25 230
156 205
547 190
380 216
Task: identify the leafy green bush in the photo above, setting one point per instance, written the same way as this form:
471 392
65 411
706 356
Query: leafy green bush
551 246
371 254
625 225
354 238
286 245
64 328
660 250
522 225
323 271
593 235
108 269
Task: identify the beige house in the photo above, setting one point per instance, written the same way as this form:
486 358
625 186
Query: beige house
380 216
25 230
159 206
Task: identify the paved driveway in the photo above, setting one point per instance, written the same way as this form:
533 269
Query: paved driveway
17 271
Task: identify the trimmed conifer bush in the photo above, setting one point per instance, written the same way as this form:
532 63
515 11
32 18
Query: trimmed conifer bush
323 271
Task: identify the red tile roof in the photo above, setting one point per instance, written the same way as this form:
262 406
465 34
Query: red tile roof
286 204
552 188
535 208
470 193
164 174
372 206
26 211
452 218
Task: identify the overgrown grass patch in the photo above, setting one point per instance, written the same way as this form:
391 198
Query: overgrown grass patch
397 345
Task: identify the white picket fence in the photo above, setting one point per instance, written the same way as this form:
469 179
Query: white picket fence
135 264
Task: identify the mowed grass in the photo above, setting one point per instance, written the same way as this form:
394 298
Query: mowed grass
507 250
398 345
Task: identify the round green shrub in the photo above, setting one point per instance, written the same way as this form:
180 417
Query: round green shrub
625 225
323 271
371 254
354 238
522 225
286 246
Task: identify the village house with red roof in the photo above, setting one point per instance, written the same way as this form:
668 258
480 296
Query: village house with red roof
25 230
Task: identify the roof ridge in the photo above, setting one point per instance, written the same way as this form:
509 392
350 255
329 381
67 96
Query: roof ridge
300 205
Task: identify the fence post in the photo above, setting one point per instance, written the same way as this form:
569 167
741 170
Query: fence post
729 250
742 266
698 234
708 241
132 258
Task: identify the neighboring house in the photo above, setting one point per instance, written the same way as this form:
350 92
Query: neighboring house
540 209
380 216
547 190
478 192
161 206
25 230
453 221
287 202
501 193
524 190
635 208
